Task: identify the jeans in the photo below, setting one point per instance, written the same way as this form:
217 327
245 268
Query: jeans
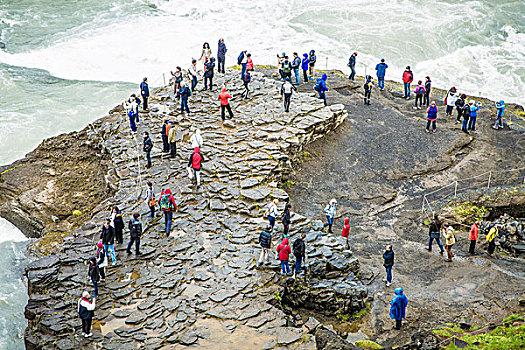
148 158
433 124
426 99
132 123
464 125
472 247
137 244
285 267
436 237
352 73
287 99
145 104
472 123
381 82
296 73
305 75
419 97
109 248
388 274
264 257
137 120
206 79
499 122
86 325
398 324
168 217
271 220
173 149
223 111
184 105
165 143
298 262
286 228
243 70
220 64
322 96
407 89
95 285
330 221
450 109
193 83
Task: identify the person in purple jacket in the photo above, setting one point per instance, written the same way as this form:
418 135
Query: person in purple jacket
304 67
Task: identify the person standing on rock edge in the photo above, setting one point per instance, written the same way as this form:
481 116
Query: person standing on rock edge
299 251
473 237
265 241
284 251
286 219
225 104
177 79
245 82
351 64
432 113
147 147
465 111
185 93
419 91
460 103
428 87
194 74
408 77
272 212
172 139
108 238
433 232
150 199
242 60
205 54
381 72
94 274
398 306
286 91
144 92
296 64
491 238
320 87
208 73
388 258
304 67
221 56
451 99
132 107
168 206
368 86
345 233
117 223
312 58
330 211
287 69
195 165
473 115
102 261
450 240
500 107
85 307
164 136
135 232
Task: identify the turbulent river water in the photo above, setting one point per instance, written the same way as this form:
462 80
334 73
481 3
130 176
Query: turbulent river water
65 63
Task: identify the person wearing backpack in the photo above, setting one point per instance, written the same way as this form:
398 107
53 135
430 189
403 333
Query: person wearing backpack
135 232
351 64
388 263
132 110
168 206
242 60
221 56
117 223
150 199
473 115
172 139
193 74
408 77
284 251
460 103
286 91
368 86
225 104
94 274
296 64
102 261
85 307
330 211
246 81
195 164
428 87
312 58
272 212
185 93
432 113
419 91
450 240
320 87
433 232
491 238
287 69
108 238
304 67
164 136
450 100
381 72
286 219
144 92
177 78
299 251
147 147
265 241
208 73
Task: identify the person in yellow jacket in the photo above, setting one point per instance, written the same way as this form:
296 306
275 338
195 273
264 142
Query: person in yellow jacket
491 238
450 240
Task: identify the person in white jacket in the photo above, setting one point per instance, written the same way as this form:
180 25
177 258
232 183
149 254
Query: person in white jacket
272 212
193 73
196 139
86 306
450 100
330 214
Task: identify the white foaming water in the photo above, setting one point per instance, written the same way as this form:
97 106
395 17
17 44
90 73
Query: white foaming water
10 233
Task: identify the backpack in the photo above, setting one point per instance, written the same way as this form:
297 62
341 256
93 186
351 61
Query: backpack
165 202
287 68
317 86
135 229
240 58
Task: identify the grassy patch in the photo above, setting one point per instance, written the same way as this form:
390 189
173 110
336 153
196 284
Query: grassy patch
368 345
471 212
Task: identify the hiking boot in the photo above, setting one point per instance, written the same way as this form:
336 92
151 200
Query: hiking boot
127 251
429 249
388 284
427 130
138 253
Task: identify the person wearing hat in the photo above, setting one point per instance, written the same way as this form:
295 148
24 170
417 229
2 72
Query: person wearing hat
304 67
330 210
85 307
473 114
500 106
164 135
312 58
381 71
94 274
265 241
296 64
368 89
398 306
351 64
144 92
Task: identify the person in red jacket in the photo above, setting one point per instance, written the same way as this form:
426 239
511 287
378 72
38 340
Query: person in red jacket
473 236
225 104
408 77
194 166
168 206
284 251
346 231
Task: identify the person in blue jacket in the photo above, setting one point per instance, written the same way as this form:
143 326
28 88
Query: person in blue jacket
221 55
296 64
351 64
304 67
500 106
381 70
320 87
398 306
473 115
144 91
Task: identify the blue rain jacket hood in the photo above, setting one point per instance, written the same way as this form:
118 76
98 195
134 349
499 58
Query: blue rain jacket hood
398 305
381 69
500 106
305 62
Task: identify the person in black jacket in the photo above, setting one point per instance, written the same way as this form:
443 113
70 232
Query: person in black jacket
86 306
460 103
428 87
433 231
265 241
164 135
144 92
135 232
388 257
94 274
208 73
221 55
286 220
147 147
351 64
299 250
117 223
108 238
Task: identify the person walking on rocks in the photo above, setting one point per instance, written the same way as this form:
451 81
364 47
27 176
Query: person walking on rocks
473 115
147 148
117 223
132 110
428 87
460 103
398 306
345 233
286 91
500 107
135 232
330 211
351 64
172 139
433 232
466 117
242 60
473 237
286 219
150 199
304 67
177 79
194 74
195 165
419 91
284 251
168 206
381 72
312 58
108 238
265 241
287 69
280 60
94 274
196 139
221 56
225 104
102 261
85 307
144 92
296 64
450 240
408 77
185 93
272 212
164 136
450 100
432 112
245 83
368 86
491 238
320 87
299 251
388 258
208 73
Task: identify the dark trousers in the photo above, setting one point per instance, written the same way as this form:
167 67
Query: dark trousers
243 70
193 83
223 113
407 89
436 237
271 221
206 80
398 324
450 109
460 113
86 325
472 123
419 97
426 98
352 73
286 228
433 122
145 103
367 96
388 274
168 218
492 247
165 143
118 235
152 211
246 90
472 247
132 123
305 75
287 99
184 105
464 126
102 272
330 221
95 286
322 96
220 64
148 158
298 262
173 149
137 244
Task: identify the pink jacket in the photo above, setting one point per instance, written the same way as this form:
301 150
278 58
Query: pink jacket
284 250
